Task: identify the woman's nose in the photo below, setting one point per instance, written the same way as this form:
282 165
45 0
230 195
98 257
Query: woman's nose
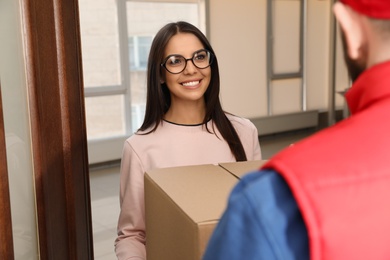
190 67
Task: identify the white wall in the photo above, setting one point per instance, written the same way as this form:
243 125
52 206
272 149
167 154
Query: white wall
238 35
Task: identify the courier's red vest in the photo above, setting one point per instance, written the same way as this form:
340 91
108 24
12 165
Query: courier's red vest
340 177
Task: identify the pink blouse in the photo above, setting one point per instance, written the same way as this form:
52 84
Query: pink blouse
169 146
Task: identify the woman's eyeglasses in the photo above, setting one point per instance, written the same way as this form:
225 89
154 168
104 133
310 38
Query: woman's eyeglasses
176 64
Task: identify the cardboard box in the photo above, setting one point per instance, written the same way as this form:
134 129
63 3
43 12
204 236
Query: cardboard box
183 206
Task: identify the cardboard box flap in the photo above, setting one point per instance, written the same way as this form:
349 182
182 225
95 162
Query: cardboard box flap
201 191
239 169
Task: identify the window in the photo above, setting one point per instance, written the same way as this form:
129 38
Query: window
116 36
139 47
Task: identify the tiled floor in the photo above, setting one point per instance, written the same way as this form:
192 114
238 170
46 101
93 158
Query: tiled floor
105 210
104 184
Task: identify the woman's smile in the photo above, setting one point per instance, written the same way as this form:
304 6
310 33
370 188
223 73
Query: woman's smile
191 84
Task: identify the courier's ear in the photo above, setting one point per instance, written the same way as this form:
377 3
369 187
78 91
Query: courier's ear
352 27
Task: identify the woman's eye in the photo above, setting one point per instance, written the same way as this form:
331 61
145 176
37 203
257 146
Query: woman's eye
201 56
174 61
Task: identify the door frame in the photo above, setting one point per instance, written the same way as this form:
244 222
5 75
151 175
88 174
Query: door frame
51 38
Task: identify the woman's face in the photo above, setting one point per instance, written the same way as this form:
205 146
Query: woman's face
192 82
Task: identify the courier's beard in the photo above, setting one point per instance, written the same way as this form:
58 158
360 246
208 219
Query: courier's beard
355 67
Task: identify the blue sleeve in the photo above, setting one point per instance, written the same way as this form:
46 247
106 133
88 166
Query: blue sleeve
262 221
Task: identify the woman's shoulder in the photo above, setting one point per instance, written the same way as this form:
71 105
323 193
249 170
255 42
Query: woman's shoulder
243 125
141 135
239 121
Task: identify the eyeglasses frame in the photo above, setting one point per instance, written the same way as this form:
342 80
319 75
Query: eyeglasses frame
211 55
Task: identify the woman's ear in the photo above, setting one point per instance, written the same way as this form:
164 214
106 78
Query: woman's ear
162 78
351 24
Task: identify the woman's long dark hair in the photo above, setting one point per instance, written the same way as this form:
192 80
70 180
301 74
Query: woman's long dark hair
158 99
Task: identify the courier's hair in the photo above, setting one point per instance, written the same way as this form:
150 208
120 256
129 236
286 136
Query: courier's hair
158 99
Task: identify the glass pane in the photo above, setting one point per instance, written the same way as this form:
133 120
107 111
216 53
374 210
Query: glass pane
17 133
144 19
100 42
139 51
105 116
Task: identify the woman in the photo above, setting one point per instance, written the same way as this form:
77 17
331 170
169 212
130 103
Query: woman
184 125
